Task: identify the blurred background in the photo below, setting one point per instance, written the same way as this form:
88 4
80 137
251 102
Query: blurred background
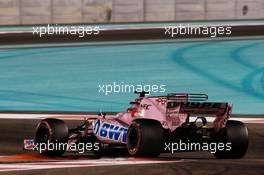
17 12
63 72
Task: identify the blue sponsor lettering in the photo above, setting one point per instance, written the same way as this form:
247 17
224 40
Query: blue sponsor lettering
103 131
110 131
97 125
114 132
124 130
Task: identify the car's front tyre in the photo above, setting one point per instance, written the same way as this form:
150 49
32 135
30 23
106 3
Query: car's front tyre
52 131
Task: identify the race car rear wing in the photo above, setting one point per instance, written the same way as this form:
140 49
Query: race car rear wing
195 104
203 108
183 97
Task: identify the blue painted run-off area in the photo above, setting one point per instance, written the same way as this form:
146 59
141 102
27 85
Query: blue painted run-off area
67 78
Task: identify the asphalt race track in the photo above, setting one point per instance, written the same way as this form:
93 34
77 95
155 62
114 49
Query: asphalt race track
13 160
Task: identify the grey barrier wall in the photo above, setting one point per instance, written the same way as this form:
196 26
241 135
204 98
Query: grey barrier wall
180 10
17 12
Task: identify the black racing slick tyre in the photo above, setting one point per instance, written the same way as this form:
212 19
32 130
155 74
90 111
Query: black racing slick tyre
145 138
52 137
235 133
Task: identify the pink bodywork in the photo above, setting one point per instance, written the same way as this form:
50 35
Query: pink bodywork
170 118
171 113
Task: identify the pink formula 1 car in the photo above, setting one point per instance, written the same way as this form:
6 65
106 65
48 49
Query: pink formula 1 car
153 125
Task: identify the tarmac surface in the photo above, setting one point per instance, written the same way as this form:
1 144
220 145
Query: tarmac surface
13 160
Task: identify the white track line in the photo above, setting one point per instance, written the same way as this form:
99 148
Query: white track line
78 163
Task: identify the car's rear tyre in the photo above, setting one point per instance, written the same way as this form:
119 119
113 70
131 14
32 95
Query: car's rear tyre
55 132
235 133
145 138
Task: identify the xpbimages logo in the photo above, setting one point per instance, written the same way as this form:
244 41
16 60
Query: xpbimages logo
192 146
211 31
123 87
56 29
57 146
